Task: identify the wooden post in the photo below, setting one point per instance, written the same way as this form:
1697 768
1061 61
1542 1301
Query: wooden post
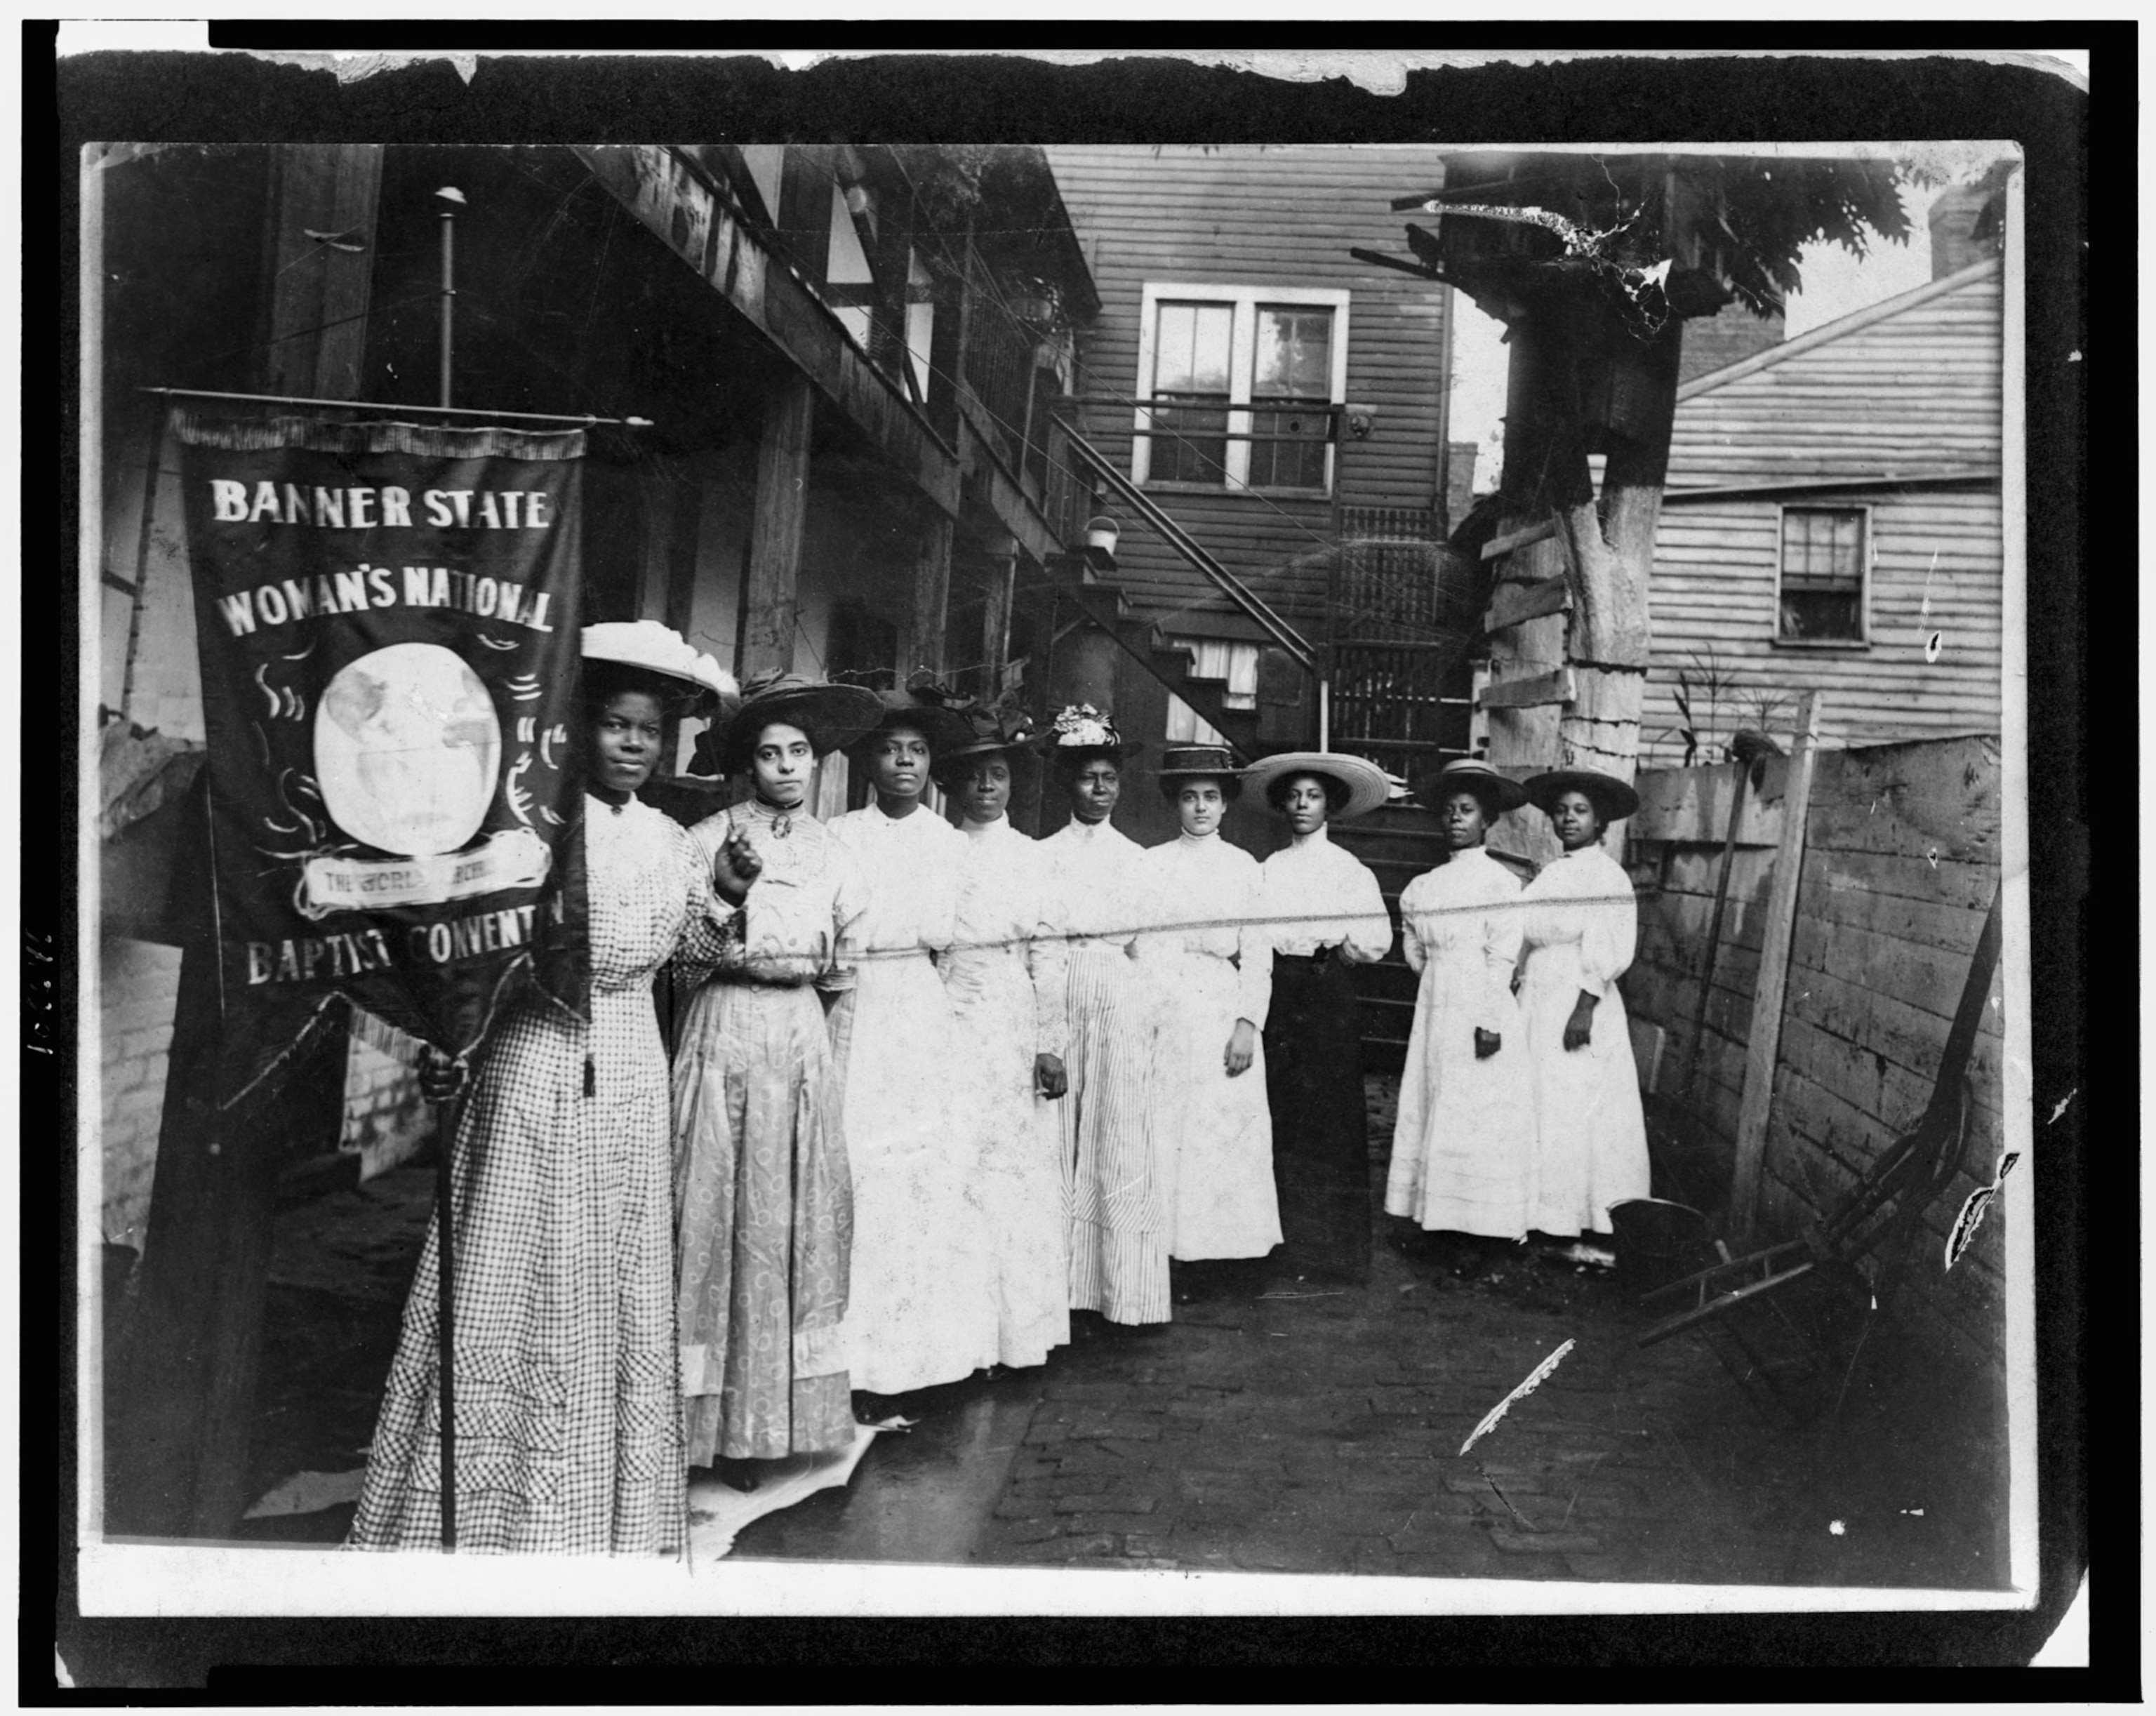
996 624
782 509
931 596
1764 1049
319 290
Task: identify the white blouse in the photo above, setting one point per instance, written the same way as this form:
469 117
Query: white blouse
1321 896
1585 897
909 867
1205 898
1006 912
1095 888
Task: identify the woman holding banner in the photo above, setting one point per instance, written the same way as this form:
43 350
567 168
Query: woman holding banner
568 1437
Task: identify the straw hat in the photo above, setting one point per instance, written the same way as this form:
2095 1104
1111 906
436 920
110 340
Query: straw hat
1080 731
1470 774
1364 782
659 650
833 717
1182 763
1613 799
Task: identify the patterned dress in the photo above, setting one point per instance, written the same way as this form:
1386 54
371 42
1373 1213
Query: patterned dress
1463 1148
1580 923
568 1432
919 1311
1328 914
1005 975
764 1204
1207 957
1118 1232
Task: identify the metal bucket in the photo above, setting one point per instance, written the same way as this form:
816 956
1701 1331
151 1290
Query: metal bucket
1658 1242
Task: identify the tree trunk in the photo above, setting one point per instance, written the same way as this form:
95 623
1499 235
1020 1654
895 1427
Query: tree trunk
1578 380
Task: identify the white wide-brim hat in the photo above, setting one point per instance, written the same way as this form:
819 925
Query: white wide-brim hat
656 649
1363 781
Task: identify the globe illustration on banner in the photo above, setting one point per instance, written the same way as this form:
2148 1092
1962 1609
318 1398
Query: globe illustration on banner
406 749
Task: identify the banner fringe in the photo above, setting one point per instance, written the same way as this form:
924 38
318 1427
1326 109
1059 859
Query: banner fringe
418 441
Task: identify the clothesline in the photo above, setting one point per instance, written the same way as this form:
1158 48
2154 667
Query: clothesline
782 950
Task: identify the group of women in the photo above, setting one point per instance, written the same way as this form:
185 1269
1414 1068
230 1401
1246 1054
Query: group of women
935 1086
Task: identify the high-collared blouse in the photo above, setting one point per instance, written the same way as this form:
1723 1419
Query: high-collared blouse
1006 912
1584 897
1095 871
1319 894
909 867
1205 898
797 924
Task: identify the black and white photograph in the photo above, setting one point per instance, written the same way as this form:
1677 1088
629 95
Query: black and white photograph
823 874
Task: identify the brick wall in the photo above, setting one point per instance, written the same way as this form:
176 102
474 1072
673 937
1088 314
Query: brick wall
140 985
386 1121
1901 863
1732 334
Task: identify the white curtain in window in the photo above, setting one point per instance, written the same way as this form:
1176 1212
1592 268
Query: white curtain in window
1217 658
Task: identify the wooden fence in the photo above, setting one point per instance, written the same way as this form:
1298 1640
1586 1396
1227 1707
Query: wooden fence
1901 861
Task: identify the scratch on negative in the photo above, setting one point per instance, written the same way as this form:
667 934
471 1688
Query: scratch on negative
1964 1232
1535 1379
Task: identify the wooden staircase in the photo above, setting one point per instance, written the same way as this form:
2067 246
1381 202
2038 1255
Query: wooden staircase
1107 606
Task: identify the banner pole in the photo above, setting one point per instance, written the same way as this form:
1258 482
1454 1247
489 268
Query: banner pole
445 1120
446 1314
450 196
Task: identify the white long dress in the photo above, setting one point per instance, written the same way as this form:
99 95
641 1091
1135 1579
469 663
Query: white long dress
1005 975
1580 925
1118 1229
1207 957
1463 1147
918 1310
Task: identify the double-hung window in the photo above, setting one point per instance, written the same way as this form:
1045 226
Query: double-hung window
1825 550
1236 385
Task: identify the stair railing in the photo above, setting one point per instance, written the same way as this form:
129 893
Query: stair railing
1104 469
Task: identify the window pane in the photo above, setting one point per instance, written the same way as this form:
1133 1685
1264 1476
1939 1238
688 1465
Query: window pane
1190 378
1822 573
1190 352
1171 367
1294 354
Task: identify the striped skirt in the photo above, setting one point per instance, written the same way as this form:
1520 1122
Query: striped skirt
1118 1235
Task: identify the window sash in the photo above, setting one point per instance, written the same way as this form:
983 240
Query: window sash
1824 552
1304 370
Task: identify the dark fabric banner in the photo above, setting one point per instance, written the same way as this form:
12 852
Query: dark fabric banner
386 616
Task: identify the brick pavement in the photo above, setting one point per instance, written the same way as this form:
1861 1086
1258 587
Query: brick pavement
1301 1427
1309 1434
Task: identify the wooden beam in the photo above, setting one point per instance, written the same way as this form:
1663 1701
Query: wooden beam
932 598
1518 539
1764 1049
1510 604
668 193
1528 693
775 531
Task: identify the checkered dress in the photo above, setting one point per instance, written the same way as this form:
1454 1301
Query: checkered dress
568 1437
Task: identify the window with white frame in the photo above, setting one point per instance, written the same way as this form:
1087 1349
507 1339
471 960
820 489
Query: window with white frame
1820 598
1217 659
1235 385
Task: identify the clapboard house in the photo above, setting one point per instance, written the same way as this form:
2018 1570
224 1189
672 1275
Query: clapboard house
1833 523
1271 412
